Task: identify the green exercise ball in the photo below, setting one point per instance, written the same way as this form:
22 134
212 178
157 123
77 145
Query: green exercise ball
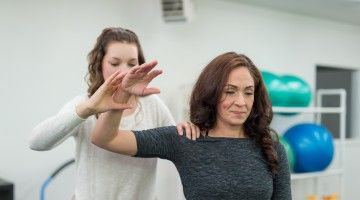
299 91
289 152
276 89
287 90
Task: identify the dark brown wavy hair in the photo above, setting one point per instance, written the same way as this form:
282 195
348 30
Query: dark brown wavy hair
206 96
113 34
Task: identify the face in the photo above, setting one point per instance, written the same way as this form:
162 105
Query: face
119 56
237 98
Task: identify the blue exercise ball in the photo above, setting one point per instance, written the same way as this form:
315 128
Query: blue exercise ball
313 147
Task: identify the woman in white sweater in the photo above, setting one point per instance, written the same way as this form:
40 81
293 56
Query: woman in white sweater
103 175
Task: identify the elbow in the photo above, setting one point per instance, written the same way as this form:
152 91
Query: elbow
37 146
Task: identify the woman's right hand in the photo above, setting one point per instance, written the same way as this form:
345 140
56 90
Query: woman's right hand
102 100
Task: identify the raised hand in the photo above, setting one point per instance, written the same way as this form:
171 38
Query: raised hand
102 100
136 81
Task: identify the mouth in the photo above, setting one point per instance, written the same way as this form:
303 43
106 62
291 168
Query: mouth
239 112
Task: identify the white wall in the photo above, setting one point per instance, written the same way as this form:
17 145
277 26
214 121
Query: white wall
44 46
43 63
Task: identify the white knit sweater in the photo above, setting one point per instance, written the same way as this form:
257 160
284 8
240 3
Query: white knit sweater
103 175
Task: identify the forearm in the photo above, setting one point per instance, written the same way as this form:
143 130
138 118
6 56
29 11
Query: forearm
106 128
54 130
107 135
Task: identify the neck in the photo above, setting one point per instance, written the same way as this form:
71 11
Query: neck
227 131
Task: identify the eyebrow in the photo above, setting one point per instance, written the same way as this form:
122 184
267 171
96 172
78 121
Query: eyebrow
132 59
234 86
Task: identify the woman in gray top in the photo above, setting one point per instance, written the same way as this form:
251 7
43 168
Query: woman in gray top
235 158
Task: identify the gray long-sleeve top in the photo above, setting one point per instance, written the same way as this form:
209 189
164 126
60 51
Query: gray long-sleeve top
218 168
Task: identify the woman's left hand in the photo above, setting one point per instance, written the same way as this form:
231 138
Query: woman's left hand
136 81
191 130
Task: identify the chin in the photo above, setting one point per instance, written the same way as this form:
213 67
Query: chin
237 123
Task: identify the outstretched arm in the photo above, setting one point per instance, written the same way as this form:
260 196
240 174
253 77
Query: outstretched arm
108 136
58 128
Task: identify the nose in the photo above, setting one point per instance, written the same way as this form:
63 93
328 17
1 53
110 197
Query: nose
124 67
240 100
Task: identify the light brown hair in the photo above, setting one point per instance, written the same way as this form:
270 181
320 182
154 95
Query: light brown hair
95 76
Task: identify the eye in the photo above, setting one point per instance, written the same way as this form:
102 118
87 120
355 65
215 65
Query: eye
114 64
249 93
229 92
131 64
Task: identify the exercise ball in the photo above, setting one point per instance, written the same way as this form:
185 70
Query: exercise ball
276 89
313 147
289 153
287 90
299 91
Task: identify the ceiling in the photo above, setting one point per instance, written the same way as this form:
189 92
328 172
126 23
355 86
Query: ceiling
346 11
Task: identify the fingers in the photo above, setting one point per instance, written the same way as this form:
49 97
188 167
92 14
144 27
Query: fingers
151 75
146 67
188 130
198 132
145 70
133 70
118 79
149 78
184 125
111 77
192 132
179 128
195 131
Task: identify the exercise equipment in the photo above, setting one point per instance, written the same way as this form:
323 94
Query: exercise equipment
276 89
287 90
313 146
53 175
289 152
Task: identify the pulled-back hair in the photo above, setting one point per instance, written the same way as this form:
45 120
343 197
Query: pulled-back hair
207 92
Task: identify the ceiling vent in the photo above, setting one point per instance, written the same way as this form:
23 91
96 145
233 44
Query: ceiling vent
177 10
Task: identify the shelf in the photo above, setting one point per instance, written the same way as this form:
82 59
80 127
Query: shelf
332 172
308 110
318 110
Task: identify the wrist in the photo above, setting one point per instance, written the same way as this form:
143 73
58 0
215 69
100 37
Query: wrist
84 110
121 97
